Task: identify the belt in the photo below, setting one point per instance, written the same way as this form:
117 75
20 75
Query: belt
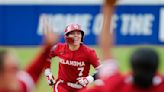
72 85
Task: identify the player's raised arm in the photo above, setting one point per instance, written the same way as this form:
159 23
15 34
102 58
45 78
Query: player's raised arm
38 64
106 35
106 40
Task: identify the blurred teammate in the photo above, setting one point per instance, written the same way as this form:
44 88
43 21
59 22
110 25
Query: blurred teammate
75 59
144 63
12 79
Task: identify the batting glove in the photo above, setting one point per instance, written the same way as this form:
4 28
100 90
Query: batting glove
84 81
50 77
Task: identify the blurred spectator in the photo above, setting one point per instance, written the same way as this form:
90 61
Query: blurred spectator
12 79
144 63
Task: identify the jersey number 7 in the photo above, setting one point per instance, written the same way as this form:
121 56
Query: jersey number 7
81 69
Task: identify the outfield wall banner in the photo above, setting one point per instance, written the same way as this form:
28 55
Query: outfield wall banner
134 24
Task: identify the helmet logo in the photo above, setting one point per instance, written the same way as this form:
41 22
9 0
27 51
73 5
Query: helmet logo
72 27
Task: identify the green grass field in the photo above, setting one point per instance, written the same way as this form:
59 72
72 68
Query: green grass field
120 53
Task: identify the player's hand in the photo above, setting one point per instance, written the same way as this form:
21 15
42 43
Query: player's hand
50 77
110 2
50 36
84 81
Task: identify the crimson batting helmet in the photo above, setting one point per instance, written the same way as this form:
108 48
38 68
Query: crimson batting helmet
73 27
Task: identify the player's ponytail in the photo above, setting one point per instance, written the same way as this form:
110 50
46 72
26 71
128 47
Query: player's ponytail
144 63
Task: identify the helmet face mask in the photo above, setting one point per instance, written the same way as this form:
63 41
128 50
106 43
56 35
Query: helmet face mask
73 28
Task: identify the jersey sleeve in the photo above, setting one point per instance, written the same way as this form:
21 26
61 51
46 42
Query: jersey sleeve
108 69
53 53
26 81
36 67
94 60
